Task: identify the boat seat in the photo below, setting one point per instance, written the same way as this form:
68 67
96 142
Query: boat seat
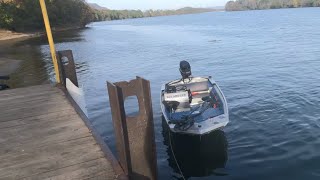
198 86
196 101
209 113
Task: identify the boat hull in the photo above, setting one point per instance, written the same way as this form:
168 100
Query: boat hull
201 127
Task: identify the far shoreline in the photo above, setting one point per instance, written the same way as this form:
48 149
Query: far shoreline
237 10
6 35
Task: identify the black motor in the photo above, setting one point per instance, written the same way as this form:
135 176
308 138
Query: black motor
185 69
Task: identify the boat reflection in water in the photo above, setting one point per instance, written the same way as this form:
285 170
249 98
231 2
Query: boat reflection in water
197 156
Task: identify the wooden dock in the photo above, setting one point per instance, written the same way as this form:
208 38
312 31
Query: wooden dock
42 136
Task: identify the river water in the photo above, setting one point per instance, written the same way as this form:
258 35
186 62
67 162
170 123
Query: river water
267 63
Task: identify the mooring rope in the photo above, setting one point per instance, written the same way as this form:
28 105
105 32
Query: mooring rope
174 157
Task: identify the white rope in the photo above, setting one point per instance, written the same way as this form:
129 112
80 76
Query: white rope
175 156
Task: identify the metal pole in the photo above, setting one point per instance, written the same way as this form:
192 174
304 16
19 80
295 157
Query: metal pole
50 39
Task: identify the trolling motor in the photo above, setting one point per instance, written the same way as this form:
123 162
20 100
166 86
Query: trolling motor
185 70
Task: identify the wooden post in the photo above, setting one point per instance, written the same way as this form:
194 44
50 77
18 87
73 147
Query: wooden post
50 38
67 67
134 135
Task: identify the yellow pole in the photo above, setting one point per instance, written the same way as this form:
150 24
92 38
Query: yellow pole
50 39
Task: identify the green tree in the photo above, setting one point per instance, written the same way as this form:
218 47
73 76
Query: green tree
25 15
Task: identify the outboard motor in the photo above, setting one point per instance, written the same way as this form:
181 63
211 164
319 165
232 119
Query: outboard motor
185 69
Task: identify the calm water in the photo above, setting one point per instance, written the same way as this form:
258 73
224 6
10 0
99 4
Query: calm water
266 62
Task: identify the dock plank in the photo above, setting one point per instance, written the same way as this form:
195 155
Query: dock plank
29 104
35 119
39 131
43 137
12 100
26 91
34 110
90 169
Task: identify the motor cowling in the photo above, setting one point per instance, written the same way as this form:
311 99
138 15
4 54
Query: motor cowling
185 69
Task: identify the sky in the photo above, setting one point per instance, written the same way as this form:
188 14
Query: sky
157 4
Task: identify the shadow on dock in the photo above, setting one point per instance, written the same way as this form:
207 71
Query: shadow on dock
197 156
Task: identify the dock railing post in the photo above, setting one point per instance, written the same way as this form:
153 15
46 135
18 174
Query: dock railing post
135 139
67 68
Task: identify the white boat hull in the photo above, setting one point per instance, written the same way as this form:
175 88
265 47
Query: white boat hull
199 127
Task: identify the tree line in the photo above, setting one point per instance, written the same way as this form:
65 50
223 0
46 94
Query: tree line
25 15
242 5
103 15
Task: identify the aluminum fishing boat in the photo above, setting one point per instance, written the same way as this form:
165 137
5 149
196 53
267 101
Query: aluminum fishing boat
193 105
